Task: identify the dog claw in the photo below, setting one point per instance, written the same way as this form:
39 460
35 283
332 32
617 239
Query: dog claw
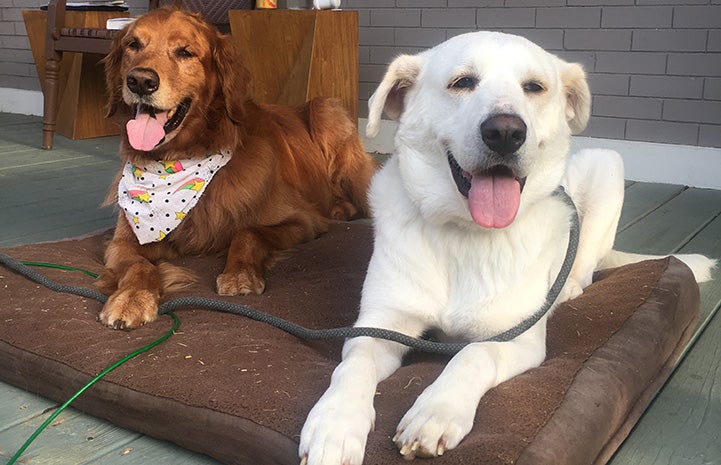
304 459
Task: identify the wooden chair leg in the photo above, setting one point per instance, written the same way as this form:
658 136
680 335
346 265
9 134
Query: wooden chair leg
50 98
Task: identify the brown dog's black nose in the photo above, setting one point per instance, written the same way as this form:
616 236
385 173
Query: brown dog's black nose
142 81
504 133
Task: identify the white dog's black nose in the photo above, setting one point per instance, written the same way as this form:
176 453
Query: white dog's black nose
504 133
142 81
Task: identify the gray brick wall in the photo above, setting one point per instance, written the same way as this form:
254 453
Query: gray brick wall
654 66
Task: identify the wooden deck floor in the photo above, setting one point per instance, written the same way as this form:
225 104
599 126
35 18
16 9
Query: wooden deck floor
53 195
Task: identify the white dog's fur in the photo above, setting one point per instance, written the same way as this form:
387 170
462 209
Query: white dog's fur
434 267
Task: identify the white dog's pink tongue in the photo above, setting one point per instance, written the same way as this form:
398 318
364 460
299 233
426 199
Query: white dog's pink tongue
145 131
494 199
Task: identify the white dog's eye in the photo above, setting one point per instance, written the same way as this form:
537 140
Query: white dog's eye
532 87
465 82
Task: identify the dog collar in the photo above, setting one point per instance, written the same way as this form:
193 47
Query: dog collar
157 195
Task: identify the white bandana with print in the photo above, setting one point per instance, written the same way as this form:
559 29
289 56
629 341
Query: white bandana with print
157 195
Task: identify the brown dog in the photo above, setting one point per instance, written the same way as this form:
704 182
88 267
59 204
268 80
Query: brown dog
279 174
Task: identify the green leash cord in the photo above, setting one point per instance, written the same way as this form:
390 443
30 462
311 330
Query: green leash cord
112 367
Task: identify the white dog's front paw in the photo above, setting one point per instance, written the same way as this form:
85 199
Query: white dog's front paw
572 289
336 431
433 426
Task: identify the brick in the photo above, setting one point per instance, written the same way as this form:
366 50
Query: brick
16 42
704 17
419 37
19 69
474 3
369 4
12 14
549 39
396 17
371 72
597 39
662 132
448 17
631 62
421 3
364 18
532 3
695 64
627 107
636 17
608 84
714 41
20 82
694 111
364 54
609 128
712 89
366 89
569 17
666 86
676 40
585 59
671 2
384 55
7 28
376 36
709 136
505 17
596 2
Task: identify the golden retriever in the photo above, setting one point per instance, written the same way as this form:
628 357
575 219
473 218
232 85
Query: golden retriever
279 174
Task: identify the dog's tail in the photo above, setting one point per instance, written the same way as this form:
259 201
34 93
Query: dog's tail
700 265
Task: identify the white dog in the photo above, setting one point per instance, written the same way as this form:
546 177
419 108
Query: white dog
469 236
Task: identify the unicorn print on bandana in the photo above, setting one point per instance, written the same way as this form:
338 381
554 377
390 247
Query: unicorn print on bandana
156 196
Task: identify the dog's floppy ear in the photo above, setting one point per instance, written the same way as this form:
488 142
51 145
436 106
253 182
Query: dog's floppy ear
233 77
113 79
391 92
578 96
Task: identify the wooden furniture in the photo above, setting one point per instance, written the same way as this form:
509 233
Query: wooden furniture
295 55
73 83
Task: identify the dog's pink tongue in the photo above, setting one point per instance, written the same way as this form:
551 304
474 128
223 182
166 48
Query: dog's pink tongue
145 131
494 199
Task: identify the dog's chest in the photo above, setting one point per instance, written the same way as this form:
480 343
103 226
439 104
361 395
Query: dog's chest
498 283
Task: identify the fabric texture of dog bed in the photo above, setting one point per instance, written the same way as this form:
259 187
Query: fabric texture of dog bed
239 390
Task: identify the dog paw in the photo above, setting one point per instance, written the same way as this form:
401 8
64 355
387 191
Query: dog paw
572 289
335 432
129 308
242 282
431 427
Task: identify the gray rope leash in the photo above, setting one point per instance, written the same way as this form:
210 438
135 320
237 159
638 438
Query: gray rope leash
332 333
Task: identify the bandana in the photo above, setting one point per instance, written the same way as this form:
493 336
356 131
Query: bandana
158 195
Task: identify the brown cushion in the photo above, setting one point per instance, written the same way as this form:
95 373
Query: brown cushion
239 390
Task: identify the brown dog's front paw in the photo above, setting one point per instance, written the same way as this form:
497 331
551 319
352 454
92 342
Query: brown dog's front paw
129 308
243 282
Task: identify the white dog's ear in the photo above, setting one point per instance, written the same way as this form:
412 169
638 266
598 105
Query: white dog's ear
390 95
578 96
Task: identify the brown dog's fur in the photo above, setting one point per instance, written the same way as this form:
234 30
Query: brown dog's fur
292 170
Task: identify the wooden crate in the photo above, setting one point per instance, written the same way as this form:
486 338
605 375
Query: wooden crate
296 55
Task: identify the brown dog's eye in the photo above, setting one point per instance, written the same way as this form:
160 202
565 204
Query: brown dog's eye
183 52
134 45
532 87
464 83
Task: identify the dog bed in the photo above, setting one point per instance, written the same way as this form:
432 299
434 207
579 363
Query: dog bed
239 390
